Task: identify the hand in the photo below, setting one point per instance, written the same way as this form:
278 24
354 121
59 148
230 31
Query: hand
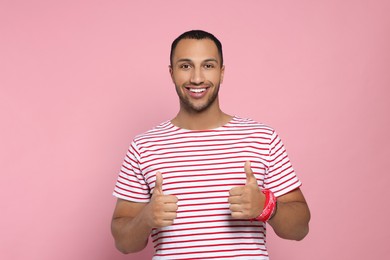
162 208
246 201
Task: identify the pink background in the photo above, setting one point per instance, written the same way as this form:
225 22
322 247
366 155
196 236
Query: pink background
80 78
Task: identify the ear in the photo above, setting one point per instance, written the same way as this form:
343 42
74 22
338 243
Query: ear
170 71
222 74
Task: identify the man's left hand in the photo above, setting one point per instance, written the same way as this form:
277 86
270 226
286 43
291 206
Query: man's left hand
246 202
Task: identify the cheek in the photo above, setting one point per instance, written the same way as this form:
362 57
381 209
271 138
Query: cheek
180 78
215 77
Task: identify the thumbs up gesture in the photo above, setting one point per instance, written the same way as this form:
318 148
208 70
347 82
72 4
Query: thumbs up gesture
246 201
162 208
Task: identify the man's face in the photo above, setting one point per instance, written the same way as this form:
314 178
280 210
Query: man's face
197 73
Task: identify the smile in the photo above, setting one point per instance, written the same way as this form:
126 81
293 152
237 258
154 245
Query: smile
197 90
197 93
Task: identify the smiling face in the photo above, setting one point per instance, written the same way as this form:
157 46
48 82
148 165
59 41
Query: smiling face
197 72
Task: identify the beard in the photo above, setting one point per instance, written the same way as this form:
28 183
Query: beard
191 107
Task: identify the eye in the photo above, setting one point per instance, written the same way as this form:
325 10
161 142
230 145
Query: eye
185 66
209 66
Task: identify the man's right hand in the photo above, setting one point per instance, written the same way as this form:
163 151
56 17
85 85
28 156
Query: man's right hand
162 208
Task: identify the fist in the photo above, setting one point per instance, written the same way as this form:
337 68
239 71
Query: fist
162 208
246 201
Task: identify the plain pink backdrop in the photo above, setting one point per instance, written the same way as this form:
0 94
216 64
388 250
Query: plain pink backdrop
80 78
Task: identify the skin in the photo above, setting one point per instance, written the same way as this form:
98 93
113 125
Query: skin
196 64
292 217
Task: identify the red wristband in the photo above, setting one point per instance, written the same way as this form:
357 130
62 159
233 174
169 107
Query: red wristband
269 206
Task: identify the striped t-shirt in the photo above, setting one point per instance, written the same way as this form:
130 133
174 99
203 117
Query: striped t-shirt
200 167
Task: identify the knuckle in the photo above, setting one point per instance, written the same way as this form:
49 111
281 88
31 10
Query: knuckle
158 198
234 215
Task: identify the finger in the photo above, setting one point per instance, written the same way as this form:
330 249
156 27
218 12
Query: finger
166 223
250 178
171 199
168 199
158 184
168 219
235 208
236 191
237 215
170 216
171 207
234 200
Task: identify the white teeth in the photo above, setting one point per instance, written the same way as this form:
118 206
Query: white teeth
197 90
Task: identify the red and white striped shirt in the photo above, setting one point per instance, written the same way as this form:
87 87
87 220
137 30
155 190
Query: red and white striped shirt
200 167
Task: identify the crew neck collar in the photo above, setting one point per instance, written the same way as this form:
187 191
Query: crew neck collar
203 130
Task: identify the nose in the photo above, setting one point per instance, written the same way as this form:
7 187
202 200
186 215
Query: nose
197 76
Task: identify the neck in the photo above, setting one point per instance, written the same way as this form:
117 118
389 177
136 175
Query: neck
211 118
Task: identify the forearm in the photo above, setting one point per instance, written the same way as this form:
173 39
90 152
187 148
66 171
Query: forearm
130 234
291 220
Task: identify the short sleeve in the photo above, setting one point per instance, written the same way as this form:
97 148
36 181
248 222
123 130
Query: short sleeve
131 184
280 177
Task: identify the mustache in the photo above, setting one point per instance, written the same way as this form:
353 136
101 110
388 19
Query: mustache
202 84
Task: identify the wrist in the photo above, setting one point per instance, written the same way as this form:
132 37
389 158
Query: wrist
275 210
270 206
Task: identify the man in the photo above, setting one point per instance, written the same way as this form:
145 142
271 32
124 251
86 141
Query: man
204 184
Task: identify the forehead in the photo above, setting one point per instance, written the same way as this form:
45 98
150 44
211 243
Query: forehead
196 50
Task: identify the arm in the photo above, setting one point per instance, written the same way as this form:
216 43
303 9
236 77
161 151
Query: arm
128 226
132 222
291 220
292 217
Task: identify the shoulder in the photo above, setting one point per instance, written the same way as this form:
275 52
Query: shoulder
163 129
250 124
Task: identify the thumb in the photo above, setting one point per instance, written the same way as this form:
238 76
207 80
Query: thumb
158 184
250 178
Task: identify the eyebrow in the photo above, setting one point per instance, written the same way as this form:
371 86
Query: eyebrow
189 60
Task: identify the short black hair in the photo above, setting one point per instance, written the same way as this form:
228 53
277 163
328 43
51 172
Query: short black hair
197 35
